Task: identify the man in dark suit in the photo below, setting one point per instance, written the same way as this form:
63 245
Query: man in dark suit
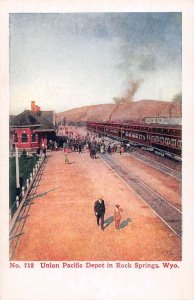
99 210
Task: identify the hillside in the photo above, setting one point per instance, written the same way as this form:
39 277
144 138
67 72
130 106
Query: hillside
135 111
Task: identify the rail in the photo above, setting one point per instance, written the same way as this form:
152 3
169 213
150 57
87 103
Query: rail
167 212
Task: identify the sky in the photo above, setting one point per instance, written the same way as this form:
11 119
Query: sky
69 60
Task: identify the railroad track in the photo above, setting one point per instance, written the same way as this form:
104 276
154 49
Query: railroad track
166 211
157 165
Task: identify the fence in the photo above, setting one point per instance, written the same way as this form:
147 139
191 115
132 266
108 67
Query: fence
25 189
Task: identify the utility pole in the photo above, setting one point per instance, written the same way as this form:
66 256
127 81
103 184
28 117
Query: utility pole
17 169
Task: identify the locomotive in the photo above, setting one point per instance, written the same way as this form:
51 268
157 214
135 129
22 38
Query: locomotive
163 140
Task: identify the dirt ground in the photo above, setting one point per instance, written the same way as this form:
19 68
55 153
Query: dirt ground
62 225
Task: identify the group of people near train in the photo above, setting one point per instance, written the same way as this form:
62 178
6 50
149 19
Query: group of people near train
93 144
100 147
99 211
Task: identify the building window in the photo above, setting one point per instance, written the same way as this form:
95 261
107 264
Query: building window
24 138
33 137
15 137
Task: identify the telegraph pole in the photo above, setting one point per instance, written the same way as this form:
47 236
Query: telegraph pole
17 169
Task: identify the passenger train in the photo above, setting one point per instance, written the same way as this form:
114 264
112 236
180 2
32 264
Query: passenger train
163 140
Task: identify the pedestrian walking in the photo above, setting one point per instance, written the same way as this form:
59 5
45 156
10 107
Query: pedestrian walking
80 148
38 151
66 159
44 152
99 210
117 215
109 149
55 146
121 149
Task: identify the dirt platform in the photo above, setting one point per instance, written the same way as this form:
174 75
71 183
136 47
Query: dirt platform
62 225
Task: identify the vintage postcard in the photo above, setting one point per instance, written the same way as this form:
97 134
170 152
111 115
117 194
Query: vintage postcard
97 166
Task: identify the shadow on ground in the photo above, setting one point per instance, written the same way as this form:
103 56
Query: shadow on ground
124 223
108 221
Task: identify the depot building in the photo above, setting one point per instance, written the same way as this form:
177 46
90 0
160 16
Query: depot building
32 128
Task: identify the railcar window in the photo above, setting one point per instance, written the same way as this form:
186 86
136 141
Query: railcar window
173 142
156 139
179 144
167 141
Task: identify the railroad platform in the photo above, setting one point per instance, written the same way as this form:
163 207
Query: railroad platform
61 224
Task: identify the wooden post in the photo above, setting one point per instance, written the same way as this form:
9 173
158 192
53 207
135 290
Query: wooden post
27 183
17 201
23 191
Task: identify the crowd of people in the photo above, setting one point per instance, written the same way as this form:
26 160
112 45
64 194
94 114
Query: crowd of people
75 142
94 143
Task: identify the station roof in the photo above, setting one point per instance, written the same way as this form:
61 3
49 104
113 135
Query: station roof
29 119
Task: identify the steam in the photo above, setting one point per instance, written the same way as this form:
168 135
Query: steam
133 87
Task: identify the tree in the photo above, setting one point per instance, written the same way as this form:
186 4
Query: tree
119 100
177 98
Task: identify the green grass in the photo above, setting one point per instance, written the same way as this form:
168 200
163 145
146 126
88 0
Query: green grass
26 165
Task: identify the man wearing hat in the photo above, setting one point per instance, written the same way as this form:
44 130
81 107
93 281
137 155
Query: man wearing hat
99 210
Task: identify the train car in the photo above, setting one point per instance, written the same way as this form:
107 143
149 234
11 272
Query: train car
163 140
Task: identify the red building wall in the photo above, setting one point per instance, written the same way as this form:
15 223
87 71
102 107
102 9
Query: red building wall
25 144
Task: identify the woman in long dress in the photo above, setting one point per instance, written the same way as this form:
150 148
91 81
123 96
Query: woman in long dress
117 215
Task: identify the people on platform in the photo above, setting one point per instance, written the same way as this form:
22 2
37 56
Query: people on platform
44 151
99 210
121 149
109 149
117 215
38 151
66 158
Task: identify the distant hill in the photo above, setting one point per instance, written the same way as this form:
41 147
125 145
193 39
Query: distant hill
134 111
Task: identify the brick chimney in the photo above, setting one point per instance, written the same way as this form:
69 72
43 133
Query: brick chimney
33 106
